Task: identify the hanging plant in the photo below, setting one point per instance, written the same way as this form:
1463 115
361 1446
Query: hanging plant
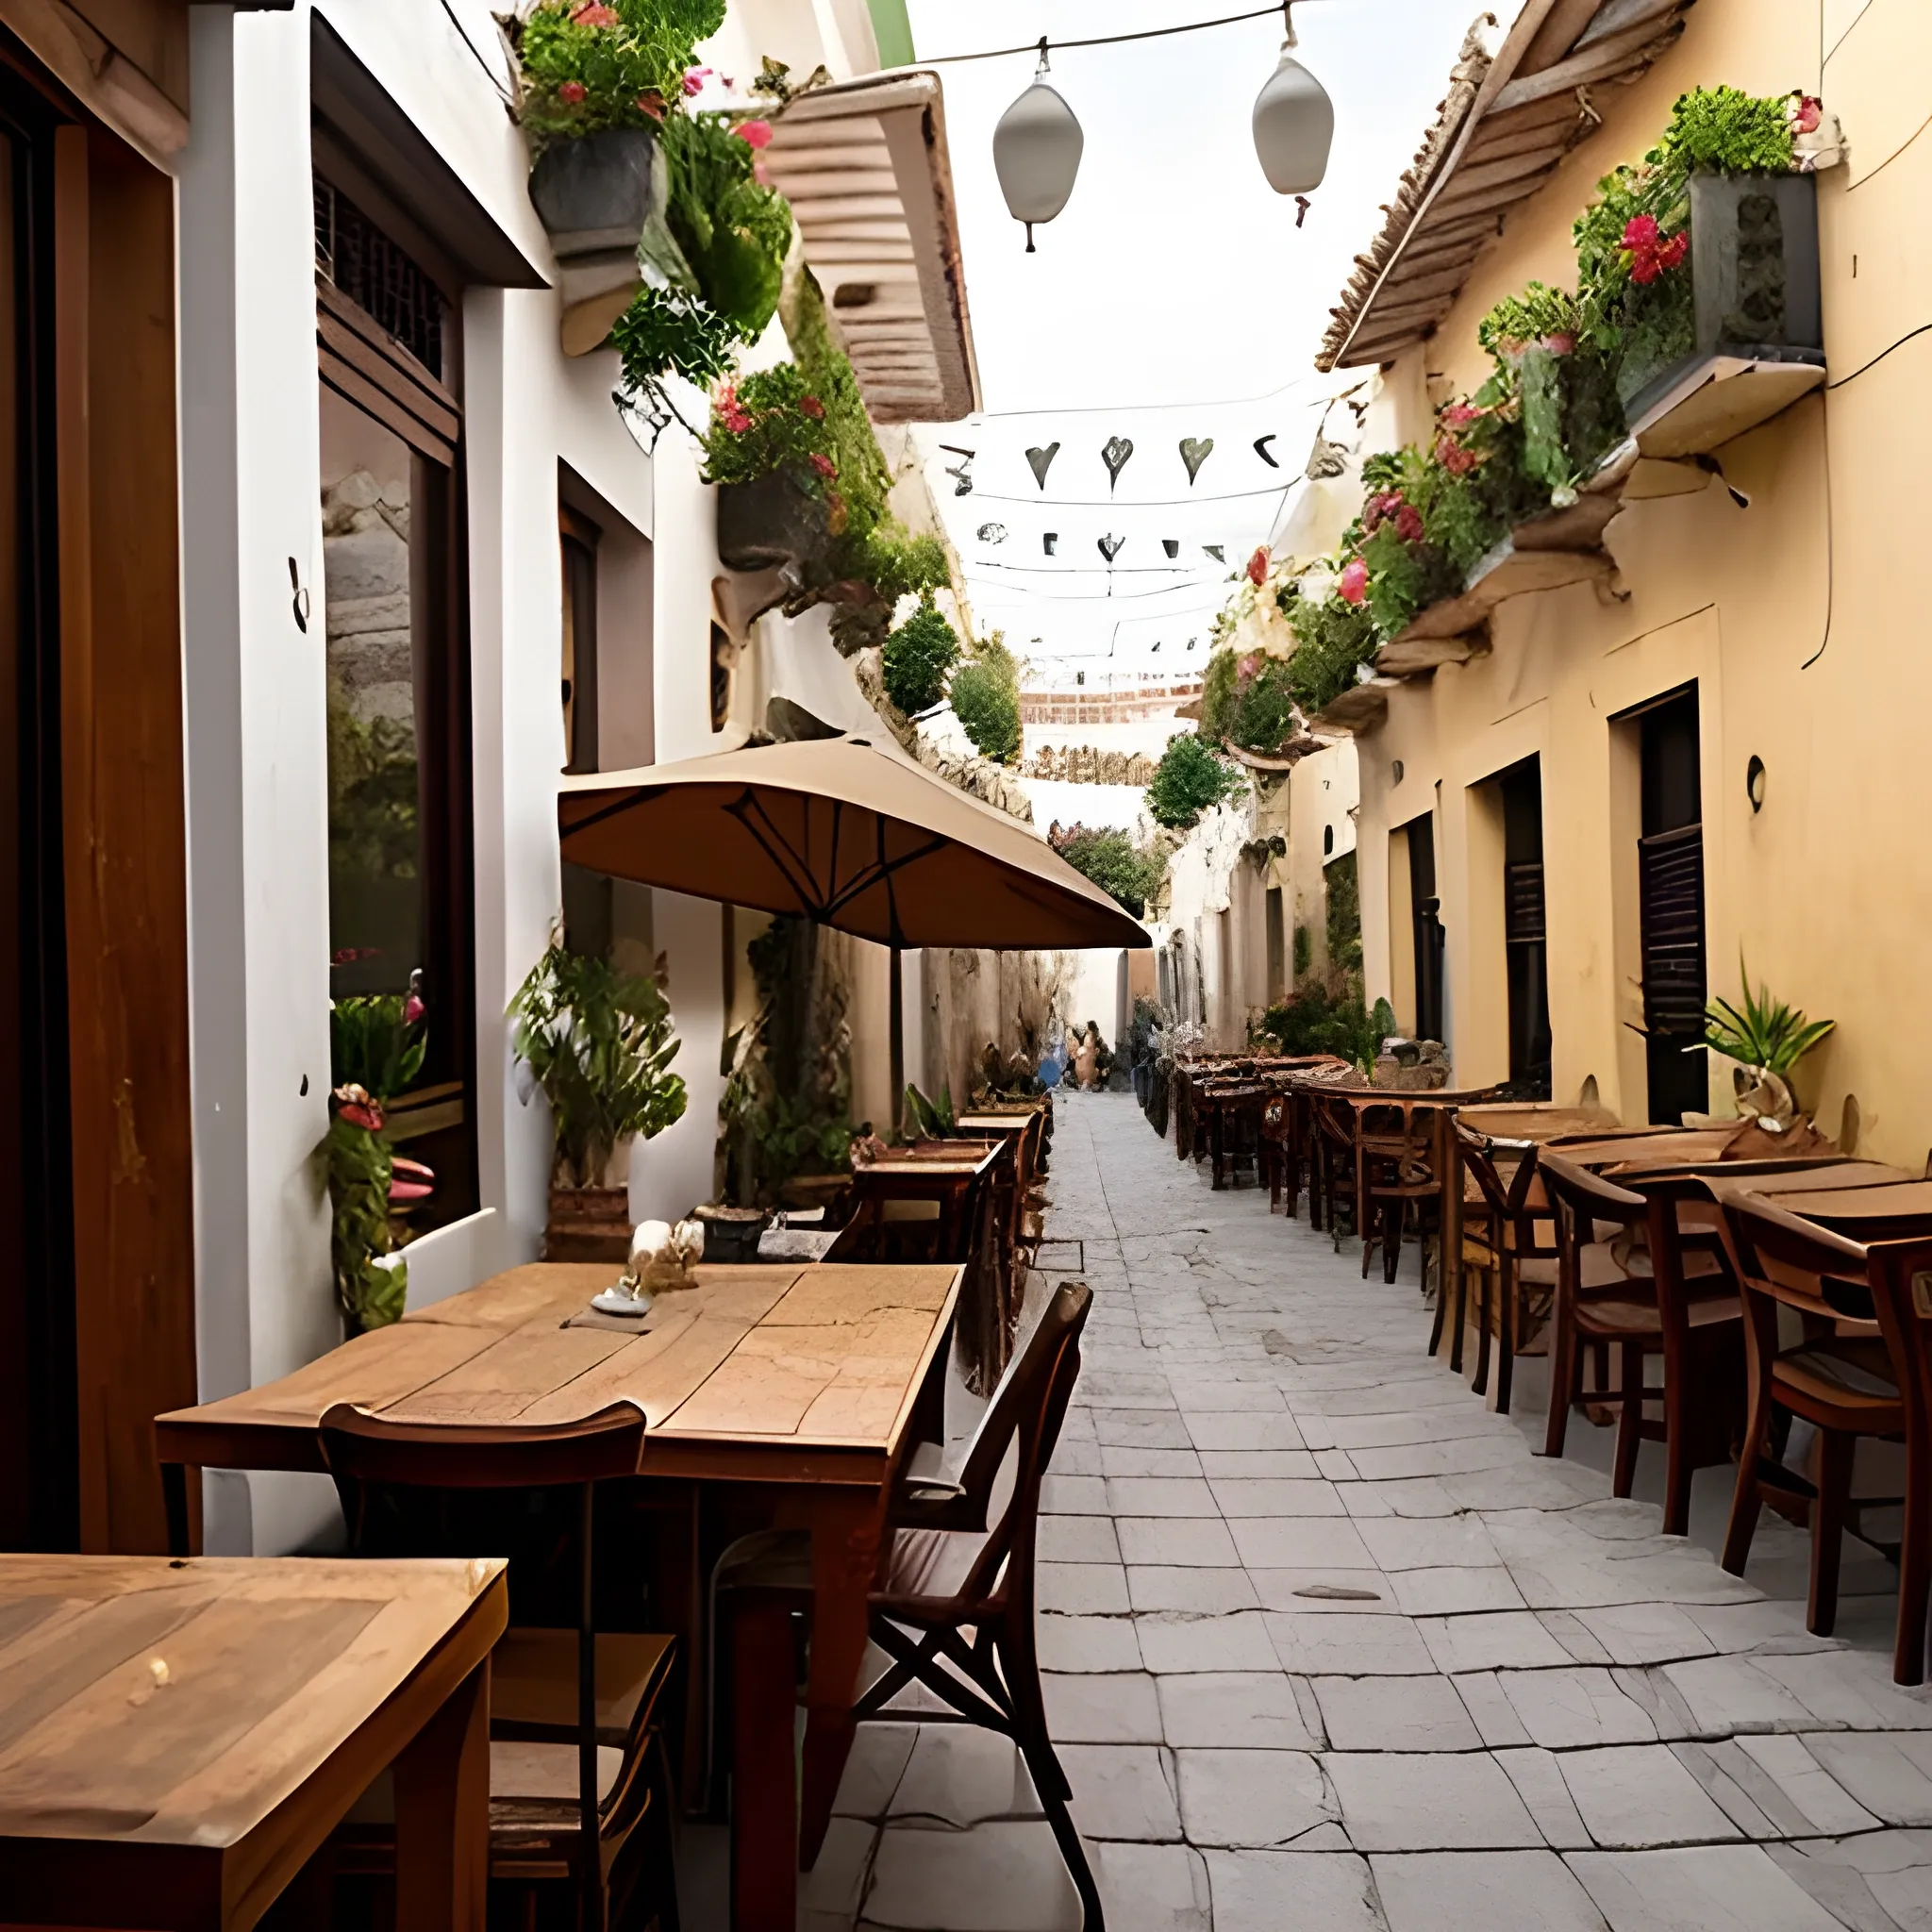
372 1279
586 65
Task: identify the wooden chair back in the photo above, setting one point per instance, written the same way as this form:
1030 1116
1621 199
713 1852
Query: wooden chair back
1479 1153
368 1448
1582 1203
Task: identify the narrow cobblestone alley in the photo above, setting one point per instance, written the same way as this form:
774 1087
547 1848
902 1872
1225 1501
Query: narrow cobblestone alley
1329 1646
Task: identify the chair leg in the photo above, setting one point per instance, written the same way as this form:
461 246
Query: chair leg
1020 1667
1505 1331
1459 1320
1436 1326
1629 1418
1480 1386
1563 1367
1391 1241
1914 1567
1678 1461
1760 1351
1835 1449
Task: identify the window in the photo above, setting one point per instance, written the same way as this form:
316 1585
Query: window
398 684
578 536
1523 929
1670 869
1277 948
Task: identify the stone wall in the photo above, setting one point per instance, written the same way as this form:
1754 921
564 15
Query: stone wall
1084 764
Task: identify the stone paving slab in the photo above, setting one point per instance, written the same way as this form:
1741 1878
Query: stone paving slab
1327 1646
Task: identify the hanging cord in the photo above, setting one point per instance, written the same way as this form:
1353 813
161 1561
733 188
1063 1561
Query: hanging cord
1152 33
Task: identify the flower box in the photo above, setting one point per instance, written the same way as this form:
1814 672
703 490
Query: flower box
775 519
595 197
1754 285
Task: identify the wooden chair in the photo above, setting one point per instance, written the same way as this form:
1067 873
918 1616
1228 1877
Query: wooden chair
955 1606
1400 1179
579 1775
1233 1113
1499 1244
1276 1135
1870 1381
1662 1296
1334 1128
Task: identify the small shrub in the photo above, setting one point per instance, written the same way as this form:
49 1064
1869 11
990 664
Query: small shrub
917 659
766 422
1189 780
986 700
1131 875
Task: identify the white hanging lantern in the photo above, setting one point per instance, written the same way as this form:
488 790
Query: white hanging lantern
1293 124
1036 153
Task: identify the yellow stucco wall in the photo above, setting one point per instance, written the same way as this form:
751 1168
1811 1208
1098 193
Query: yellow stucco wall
1827 890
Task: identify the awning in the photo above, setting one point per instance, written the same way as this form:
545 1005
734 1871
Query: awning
865 165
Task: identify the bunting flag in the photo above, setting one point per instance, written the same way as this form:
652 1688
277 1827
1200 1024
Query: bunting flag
1049 540
1216 552
1261 444
1110 546
1171 545
993 533
1040 460
1114 455
1194 452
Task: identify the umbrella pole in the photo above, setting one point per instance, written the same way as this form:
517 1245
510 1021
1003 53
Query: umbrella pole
898 1053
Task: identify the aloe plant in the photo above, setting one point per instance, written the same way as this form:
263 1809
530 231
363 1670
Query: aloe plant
1764 1032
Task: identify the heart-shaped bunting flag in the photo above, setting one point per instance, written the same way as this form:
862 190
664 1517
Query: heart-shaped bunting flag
1194 452
1040 460
1115 457
1111 547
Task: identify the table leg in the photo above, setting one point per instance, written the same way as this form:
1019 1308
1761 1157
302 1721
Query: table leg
175 1504
845 1531
443 1814
764 1787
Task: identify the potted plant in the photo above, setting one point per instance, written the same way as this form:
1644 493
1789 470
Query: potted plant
769 449
376 1042
599 1045
1767 1039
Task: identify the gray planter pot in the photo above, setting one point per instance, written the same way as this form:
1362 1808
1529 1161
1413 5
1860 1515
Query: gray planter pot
1754 269
775 520
596 193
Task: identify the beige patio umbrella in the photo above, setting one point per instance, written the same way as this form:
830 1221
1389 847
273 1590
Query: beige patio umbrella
844 831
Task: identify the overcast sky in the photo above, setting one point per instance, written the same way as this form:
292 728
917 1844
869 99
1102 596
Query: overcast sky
1174 297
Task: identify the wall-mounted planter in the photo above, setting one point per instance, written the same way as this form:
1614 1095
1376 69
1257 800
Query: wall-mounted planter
595 197
1754 284
775 519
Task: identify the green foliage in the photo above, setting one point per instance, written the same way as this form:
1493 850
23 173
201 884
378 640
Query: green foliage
1304 951
1189 780
733 232
599 1043
931 1120
917 659
667 330
1539 311
864 480
986 699
1131 875
1723 130
1328 1016
372 1290
1217 692
1248 701
372 831
1342 885
579 78
373 1046
1764 1032
895 562
766 422
1332 637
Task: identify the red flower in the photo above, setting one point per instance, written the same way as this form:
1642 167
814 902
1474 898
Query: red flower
1645 268
594 13
413 1011
1461 415
811 405
824 465
1641 233
1257 566
1352 586
694 80
1453 457
754 133
1408 524
570 92
354 1105
1674 250
652 102
1811 110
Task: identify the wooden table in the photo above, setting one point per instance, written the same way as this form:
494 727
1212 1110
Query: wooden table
177 1738
806 1380
1896 1211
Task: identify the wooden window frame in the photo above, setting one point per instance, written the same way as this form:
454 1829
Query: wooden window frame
369 369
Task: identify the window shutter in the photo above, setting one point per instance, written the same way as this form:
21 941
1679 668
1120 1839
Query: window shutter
1522 910
1670 871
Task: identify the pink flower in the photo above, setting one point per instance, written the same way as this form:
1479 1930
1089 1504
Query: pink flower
754 133
570 92
652 103
1453 457
824 465
1257 566
760 174
694 80
1249 667
1408 524
413 1009
594 13
1674 250
1811 110
1461 415
1352 586
1641 233
354 1105
1560 342
811 405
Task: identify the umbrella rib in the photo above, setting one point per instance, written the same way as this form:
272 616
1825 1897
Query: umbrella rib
780 850
642 794
883 869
